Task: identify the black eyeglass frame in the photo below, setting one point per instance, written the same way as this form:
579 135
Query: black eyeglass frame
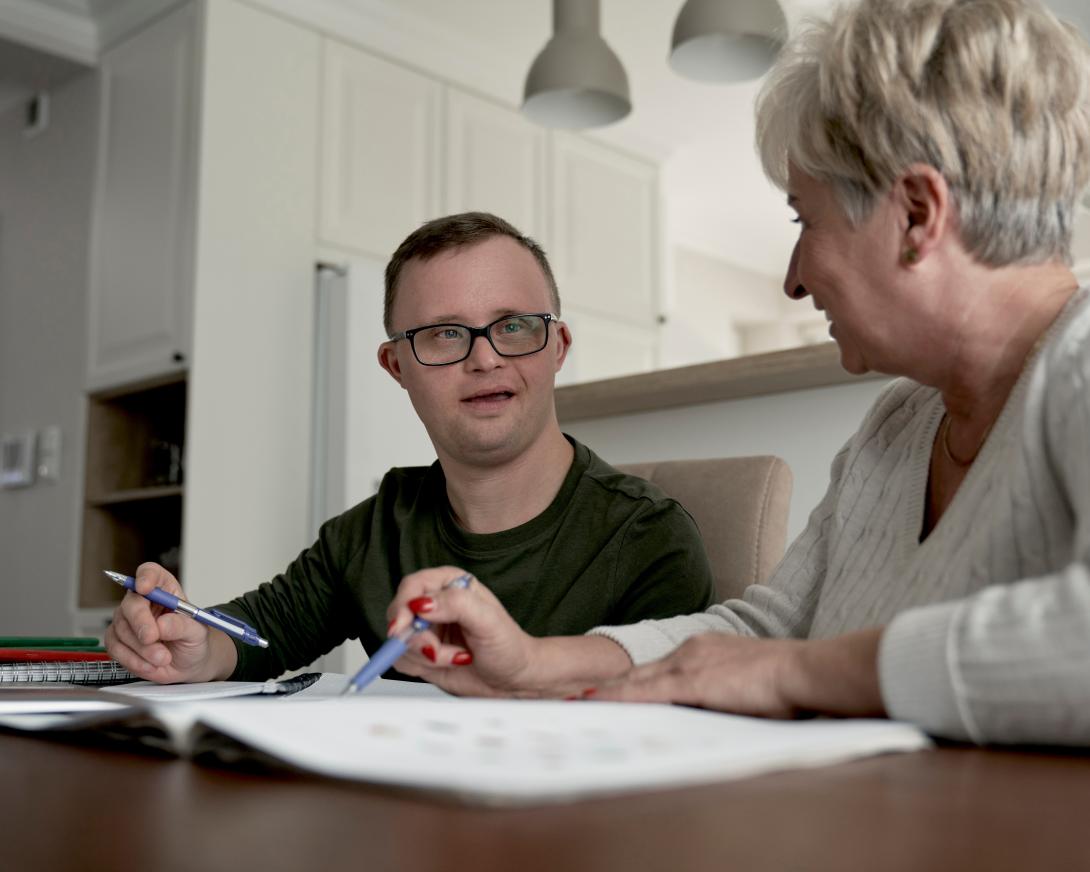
474 333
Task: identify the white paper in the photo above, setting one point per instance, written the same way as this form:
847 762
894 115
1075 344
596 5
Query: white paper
496 751
520 751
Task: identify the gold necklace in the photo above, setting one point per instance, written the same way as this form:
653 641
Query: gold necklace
944 427
944 437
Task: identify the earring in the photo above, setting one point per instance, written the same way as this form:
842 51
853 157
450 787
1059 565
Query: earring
911 255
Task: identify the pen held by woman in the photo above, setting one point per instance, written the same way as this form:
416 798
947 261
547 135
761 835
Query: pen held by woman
396 645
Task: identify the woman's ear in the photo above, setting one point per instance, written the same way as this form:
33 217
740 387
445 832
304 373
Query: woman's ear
923 196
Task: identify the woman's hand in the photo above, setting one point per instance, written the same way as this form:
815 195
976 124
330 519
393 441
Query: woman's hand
475 648
714 671
776 678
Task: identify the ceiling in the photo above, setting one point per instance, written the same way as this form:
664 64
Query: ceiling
43 43
717 199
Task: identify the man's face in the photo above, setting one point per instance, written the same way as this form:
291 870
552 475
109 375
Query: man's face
486 409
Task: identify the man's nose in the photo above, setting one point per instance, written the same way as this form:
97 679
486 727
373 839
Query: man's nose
791 284
481 353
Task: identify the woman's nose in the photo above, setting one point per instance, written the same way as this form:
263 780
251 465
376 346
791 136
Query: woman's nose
791 284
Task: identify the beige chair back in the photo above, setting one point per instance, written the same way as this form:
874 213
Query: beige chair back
740 506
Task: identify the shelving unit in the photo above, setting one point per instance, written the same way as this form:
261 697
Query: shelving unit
134 484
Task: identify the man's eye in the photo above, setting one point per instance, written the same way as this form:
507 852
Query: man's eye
448 333
512 327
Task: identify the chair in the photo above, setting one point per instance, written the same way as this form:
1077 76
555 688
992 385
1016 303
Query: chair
740 506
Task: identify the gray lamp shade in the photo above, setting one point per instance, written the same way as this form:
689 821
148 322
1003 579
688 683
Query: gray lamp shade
576 81
727 40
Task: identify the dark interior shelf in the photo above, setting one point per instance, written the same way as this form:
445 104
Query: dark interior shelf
135 495
134 488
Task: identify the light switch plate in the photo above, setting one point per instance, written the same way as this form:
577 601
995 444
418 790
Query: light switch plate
17 459
49 453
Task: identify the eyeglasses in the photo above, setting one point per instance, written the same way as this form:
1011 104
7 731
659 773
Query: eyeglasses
509 336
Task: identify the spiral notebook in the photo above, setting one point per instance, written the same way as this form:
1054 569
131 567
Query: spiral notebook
98 672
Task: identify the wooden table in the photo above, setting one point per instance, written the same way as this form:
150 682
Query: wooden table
67 807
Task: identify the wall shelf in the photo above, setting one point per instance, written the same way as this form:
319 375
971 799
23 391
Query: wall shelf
754 375
135 495
133 490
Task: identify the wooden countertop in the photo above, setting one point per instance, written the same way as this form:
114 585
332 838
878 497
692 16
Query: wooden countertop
794 369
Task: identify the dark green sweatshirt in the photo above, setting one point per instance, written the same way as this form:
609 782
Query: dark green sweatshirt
609 549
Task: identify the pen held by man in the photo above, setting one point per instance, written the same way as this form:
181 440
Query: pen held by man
213 618
161 645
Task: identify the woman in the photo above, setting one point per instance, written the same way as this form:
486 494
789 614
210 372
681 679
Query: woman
933 151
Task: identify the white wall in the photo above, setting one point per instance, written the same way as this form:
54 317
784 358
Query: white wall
805 428
45 209
716 309
709 301
249 406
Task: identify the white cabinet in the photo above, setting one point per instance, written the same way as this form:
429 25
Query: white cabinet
604 347
399 148
208 189
495 162
380 150
142 231
605 231
606 256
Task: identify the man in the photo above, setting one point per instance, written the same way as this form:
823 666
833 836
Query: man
564 541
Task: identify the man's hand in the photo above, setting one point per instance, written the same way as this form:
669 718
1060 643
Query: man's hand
776 678
475 648
165 646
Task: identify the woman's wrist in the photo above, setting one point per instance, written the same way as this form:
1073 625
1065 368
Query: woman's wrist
557 663
837 676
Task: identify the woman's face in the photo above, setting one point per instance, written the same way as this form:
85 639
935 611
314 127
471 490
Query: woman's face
847 271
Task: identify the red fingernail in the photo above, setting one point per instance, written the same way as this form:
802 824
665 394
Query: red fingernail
421 604
429 652
390 626
570 698
589 692
462 658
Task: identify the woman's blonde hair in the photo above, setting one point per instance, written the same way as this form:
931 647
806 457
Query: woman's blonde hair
995 94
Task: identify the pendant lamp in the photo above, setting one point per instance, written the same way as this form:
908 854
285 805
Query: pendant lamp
727 40
576 81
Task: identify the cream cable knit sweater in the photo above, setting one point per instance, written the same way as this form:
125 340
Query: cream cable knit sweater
988 619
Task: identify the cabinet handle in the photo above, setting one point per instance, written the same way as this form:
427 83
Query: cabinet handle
178 357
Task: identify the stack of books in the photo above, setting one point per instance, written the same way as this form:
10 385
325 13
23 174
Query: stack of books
65 659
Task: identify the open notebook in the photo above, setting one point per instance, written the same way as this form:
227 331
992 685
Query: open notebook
491 751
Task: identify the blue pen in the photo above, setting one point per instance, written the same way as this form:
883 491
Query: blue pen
210 617
394 647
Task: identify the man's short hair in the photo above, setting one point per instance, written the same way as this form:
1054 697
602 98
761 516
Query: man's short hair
994 94
452 232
